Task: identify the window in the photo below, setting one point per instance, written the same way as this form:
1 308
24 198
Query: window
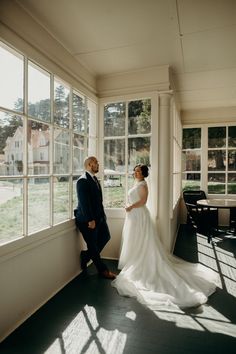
222 160
127 140
42 146
213 168
191 158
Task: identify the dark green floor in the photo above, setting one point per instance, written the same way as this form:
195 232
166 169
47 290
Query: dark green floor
88 316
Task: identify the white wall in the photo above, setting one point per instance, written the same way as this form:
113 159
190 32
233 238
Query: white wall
33 269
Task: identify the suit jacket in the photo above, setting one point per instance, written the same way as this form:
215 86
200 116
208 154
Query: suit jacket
90 206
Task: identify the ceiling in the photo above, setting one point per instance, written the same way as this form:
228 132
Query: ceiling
195 37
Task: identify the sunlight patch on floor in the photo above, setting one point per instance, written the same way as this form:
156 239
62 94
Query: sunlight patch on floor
131 315
85 335
206 318
55 348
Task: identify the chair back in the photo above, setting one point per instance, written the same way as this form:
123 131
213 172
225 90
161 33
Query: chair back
192 196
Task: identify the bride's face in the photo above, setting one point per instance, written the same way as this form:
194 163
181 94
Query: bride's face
138 173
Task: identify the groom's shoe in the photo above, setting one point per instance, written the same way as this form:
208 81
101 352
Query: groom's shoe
83 260
107 274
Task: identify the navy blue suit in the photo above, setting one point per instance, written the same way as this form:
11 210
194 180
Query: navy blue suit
90 207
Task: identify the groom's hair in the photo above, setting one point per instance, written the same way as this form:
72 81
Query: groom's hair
144 169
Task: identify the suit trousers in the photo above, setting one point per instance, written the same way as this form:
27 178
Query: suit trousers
95 239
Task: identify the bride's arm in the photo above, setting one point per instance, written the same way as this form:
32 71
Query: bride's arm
143 193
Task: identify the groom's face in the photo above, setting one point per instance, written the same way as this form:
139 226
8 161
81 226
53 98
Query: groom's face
94 165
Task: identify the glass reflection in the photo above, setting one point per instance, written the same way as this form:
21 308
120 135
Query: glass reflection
216 183
61 151
114 119
216 160
232 160
114 155
191 138
79 109
60 199
38 204
232 183
216 137
12 79
11 209
61 104
191 160
191 181
39 93
139 117
114 191
78 153
138 152
38 148
11 144
232 136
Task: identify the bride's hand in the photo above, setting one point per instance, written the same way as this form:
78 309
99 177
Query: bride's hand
128 208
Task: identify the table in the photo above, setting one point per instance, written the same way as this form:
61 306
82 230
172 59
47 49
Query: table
221 204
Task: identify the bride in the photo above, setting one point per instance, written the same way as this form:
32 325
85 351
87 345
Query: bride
149 273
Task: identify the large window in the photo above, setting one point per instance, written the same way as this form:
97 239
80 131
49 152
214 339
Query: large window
222 160
46 130
127 140
209 159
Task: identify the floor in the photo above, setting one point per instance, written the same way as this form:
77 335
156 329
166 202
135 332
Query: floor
88 316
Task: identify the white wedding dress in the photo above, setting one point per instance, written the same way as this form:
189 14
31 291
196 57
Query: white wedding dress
152 275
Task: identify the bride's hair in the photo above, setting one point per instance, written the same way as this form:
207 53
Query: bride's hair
144 169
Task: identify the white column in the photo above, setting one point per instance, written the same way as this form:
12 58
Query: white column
164 170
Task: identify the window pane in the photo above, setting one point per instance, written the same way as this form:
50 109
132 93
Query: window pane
92 115
191 160
39 93
112 179
11 209
61 104
232 160
38 204
130 181
61 151
139 121
114 119
61 199
232 183
191 181
191 138
216 160
11 144
78 153
38 148
78 113
232 136
138 152
91 146
114 191
11 79
216 183
216 137
114 155
74 196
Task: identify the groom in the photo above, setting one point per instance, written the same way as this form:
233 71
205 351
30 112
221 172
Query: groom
91 218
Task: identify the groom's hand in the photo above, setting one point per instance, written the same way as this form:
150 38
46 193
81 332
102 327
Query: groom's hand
91 224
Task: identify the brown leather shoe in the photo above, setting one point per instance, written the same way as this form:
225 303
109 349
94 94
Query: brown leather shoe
107 274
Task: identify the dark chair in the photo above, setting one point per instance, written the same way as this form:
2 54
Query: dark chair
232 219
199 221
203 220
192 196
